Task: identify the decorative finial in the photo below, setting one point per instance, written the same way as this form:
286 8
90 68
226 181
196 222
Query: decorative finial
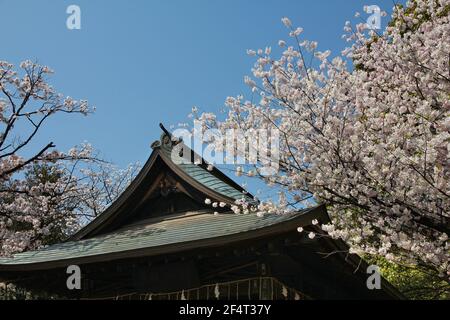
165 130
167 140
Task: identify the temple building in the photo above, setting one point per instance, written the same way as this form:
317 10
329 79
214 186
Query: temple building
160 240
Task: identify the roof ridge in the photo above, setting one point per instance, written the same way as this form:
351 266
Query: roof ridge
168 141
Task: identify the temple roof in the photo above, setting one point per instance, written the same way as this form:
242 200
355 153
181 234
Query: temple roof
195 180
132 226
163 235
163 212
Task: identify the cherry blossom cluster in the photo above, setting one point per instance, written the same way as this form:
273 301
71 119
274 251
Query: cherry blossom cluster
45 194
367 132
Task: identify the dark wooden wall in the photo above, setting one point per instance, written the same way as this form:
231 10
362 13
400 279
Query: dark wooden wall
292 259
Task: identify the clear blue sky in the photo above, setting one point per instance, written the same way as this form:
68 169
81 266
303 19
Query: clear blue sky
145 62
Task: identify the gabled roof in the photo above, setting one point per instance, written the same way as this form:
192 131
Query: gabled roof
112 236
163 235
212 184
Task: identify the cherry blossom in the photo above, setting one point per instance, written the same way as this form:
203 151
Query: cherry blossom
367 133
45 194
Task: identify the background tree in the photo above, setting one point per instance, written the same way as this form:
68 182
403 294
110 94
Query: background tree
45 194
373 143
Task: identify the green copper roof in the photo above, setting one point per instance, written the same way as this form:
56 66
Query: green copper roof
208 179
171 230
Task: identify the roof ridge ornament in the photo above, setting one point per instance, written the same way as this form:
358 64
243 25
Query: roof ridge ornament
167 140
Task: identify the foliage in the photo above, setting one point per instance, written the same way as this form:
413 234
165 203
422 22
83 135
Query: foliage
415 283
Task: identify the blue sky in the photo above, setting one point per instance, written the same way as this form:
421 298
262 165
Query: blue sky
144 62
